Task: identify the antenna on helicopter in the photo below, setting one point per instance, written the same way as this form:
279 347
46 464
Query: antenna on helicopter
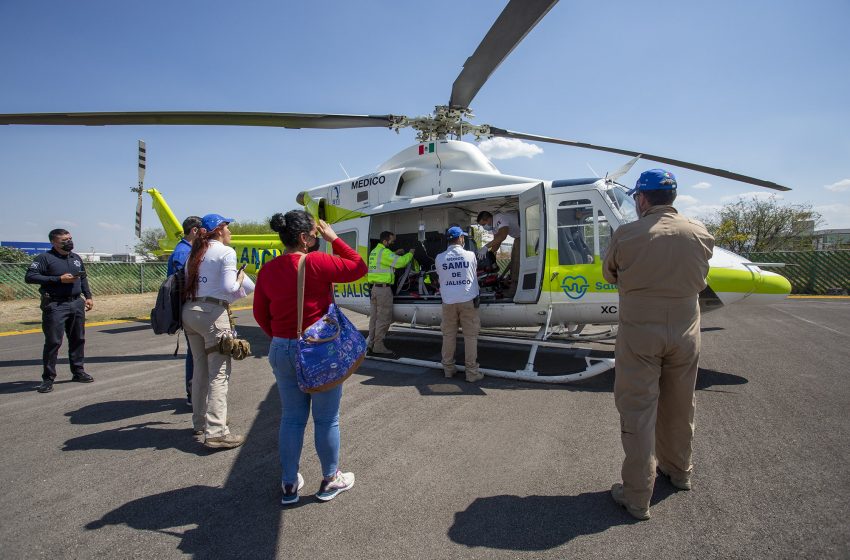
141 187
343 170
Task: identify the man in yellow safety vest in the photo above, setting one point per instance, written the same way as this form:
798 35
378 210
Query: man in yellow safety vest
382 264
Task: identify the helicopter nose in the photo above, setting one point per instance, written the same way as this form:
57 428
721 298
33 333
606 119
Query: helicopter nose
769 288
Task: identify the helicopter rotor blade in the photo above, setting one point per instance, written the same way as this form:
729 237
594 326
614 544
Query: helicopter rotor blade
515 22
215 118
661 159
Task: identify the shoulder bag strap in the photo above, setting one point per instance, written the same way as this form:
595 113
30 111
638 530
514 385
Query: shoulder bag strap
301 273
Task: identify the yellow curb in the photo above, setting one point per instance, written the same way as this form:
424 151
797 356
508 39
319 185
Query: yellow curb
818 297
104 323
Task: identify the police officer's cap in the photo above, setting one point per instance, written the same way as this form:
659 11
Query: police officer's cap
654 180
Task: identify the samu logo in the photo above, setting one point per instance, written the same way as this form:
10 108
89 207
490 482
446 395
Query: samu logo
574 286
335 195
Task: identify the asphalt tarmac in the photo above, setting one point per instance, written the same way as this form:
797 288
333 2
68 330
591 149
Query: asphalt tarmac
445 469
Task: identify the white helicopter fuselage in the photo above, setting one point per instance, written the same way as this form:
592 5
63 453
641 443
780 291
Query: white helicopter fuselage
566 226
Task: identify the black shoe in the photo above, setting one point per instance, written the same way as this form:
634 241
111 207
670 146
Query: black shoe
45 387
385 355
82 378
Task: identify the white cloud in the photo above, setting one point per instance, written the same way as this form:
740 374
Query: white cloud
840 186
107 225
835 216
65 223
508 148
700 210
686 200
760 195
701 185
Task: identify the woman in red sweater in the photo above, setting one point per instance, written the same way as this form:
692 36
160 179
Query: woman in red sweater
276 311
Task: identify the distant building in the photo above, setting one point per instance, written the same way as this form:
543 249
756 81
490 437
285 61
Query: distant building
827 239
124 257
31 248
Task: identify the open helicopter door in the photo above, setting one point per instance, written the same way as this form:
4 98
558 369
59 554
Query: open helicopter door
532 221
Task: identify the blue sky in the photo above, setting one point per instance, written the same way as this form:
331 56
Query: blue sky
757 87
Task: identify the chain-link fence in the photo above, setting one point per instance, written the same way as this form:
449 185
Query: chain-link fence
811 272
105 278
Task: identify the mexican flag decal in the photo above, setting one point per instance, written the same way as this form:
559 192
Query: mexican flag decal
426 148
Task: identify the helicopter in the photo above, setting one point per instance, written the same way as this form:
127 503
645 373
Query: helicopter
443 180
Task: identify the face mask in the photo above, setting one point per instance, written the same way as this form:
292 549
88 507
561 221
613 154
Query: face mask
68 245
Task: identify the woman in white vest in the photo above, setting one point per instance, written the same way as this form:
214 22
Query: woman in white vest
212 284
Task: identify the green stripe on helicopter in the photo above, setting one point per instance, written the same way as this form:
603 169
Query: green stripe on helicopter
577 279
333 214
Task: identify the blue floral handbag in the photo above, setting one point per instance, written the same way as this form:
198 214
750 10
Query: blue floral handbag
329 350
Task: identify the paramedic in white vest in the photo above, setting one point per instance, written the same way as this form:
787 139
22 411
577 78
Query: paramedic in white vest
456 268
502 225
382 264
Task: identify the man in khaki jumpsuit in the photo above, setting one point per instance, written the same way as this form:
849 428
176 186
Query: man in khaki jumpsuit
382 264
457 269
659 264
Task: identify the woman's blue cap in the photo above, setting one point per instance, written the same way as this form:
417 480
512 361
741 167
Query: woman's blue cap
212 221
654 180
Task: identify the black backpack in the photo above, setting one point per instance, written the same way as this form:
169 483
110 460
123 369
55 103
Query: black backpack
166 315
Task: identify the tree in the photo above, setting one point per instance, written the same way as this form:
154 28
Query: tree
13 255
763 224
148 245
250 227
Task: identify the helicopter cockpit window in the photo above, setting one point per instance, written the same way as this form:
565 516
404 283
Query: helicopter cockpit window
623 203
575 232
532 230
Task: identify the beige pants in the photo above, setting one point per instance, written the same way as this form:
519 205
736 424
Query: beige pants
657 354
203 323
380 317
465 315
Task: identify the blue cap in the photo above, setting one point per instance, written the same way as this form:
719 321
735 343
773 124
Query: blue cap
212 221
654 180
454 232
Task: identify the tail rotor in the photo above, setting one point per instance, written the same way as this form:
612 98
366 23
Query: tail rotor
140 189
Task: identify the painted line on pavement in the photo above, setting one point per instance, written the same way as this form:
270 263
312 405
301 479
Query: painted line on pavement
818 297
104 323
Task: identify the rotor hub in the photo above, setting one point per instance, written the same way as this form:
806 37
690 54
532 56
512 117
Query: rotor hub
445 121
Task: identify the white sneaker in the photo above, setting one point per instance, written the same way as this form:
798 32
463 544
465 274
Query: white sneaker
330 488
290 491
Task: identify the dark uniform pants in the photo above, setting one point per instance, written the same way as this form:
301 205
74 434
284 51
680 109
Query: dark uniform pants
657 353
68 317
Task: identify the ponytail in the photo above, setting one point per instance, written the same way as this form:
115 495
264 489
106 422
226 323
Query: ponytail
193 263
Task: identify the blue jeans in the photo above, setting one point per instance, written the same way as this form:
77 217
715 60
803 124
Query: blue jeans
295 409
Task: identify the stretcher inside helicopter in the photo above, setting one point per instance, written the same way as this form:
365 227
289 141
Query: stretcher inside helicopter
423 231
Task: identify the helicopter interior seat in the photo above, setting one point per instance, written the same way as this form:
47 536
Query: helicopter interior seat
568 252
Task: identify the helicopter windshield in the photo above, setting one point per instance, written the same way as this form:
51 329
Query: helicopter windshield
623 203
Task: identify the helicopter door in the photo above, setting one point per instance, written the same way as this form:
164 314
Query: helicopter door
532 220
355 233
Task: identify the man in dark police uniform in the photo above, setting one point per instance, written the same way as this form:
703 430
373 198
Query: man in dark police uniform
61 277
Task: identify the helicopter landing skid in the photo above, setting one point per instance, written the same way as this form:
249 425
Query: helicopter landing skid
595 366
